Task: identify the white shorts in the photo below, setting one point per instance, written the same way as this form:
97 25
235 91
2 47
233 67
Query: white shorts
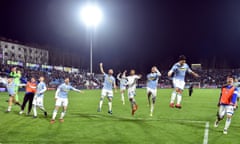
131 94
108 93
226 109
61 102
123 88
152 91
38 101
178 84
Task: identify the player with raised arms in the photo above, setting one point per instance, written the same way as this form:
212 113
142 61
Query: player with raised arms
38 98
227 101
16 74
152 82
61 97
107 90
178 72
10 85
132 84
123 84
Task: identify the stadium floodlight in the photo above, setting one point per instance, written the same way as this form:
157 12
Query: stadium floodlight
91 16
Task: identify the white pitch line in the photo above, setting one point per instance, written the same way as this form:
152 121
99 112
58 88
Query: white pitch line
206 131
205 139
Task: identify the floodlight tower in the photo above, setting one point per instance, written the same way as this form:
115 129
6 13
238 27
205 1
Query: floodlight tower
91 16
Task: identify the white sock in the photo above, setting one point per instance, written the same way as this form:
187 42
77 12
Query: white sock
54 114
62 115
173 97
152 108
100 104
9 108
123 100
179 99
227 123
34 110
110 106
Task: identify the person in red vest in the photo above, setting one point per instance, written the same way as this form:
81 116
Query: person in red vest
31 87
227 101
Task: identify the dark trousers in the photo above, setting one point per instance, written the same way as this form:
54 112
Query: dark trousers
190 92
28 97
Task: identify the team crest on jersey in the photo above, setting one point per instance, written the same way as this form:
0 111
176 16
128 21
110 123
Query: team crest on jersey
153 78
182 68
109 80
65 89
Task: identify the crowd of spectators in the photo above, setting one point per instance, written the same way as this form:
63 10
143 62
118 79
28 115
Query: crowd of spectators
214 77
53 77
210 78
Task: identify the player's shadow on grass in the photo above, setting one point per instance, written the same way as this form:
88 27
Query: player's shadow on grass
193 125
103 116
89 116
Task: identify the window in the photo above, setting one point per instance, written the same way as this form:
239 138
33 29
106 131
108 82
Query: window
19 49
6 54
13 47
6 46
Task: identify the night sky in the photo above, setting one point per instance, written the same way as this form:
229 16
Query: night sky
133 33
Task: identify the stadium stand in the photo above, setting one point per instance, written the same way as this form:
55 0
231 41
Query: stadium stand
211 78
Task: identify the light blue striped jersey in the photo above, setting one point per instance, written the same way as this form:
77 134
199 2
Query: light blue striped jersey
180 71
109 82
41 88
63 90
152 80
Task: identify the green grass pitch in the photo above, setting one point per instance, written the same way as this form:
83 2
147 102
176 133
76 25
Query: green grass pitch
83 124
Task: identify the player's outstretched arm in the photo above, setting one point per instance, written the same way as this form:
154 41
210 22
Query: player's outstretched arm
101 68
157 71
43 90
77 90
195 74
80 91
22 85
170 73
124 74
118 76
33 87
139 76
3 80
